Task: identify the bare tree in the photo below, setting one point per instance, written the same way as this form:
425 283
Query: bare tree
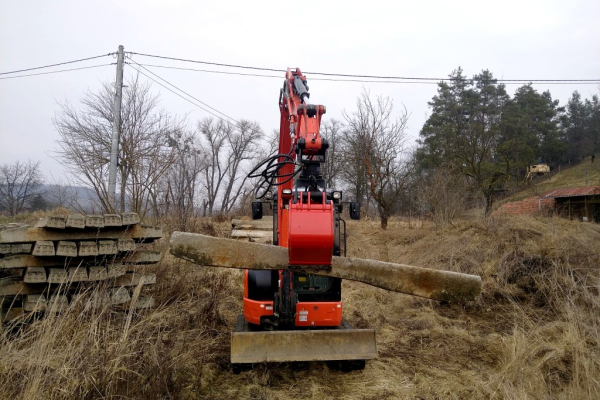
178 188
144 154
20 183
334 164
444 193
228 147
60 194
376 143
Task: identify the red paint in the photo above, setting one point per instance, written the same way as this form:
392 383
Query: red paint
253 310
319 314
311 233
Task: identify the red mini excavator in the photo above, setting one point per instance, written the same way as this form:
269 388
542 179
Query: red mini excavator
292 290
306 220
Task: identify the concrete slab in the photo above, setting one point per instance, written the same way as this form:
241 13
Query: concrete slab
27 234
417 281
130 218
94 221
53 221
125 245
97 273
57 275
34 302
21 248
66 249
87 248
77 274
35 275
44 248
112 220
107 247
75 221
15 286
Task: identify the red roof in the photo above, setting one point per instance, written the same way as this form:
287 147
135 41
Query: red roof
574 192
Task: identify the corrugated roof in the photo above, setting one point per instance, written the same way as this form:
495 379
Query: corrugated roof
574 192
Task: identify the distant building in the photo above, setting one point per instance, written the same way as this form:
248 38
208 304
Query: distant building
537 169
581 203
577 203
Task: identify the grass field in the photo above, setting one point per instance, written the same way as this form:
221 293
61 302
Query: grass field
534 334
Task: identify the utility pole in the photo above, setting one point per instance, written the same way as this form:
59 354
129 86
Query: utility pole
114 149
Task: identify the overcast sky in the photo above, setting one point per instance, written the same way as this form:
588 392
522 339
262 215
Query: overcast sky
513 39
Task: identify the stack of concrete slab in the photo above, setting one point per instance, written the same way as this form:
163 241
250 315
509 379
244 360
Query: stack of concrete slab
50 265
260 230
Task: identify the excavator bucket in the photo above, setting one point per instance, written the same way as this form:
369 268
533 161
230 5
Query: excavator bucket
339 344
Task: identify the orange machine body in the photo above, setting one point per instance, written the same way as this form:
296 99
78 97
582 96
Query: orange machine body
304 222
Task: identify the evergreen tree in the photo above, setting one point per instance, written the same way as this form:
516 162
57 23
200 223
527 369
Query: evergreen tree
464 130
592 126
574 128
530 131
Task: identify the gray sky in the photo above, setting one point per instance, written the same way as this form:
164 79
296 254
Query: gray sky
513 39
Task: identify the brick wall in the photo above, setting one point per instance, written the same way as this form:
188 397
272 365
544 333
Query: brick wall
529 206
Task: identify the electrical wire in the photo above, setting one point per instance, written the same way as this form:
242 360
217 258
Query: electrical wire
55 65
184 98
351 80
55 72
270 173
211 71
590 81
208 62
187 94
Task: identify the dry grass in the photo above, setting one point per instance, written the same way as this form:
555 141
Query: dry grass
534 334
584 174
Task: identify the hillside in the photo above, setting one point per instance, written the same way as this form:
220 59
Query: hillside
584 174
535 332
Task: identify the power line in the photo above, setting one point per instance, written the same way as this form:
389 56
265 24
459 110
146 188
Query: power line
187 94
348 80
55 65
55 72
364 76
278 76
209 63
184 98
212 71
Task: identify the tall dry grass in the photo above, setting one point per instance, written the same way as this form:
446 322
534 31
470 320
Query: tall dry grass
534 334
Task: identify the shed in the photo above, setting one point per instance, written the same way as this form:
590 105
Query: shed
581 203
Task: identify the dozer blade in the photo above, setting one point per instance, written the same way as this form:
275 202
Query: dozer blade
335 344
424 282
